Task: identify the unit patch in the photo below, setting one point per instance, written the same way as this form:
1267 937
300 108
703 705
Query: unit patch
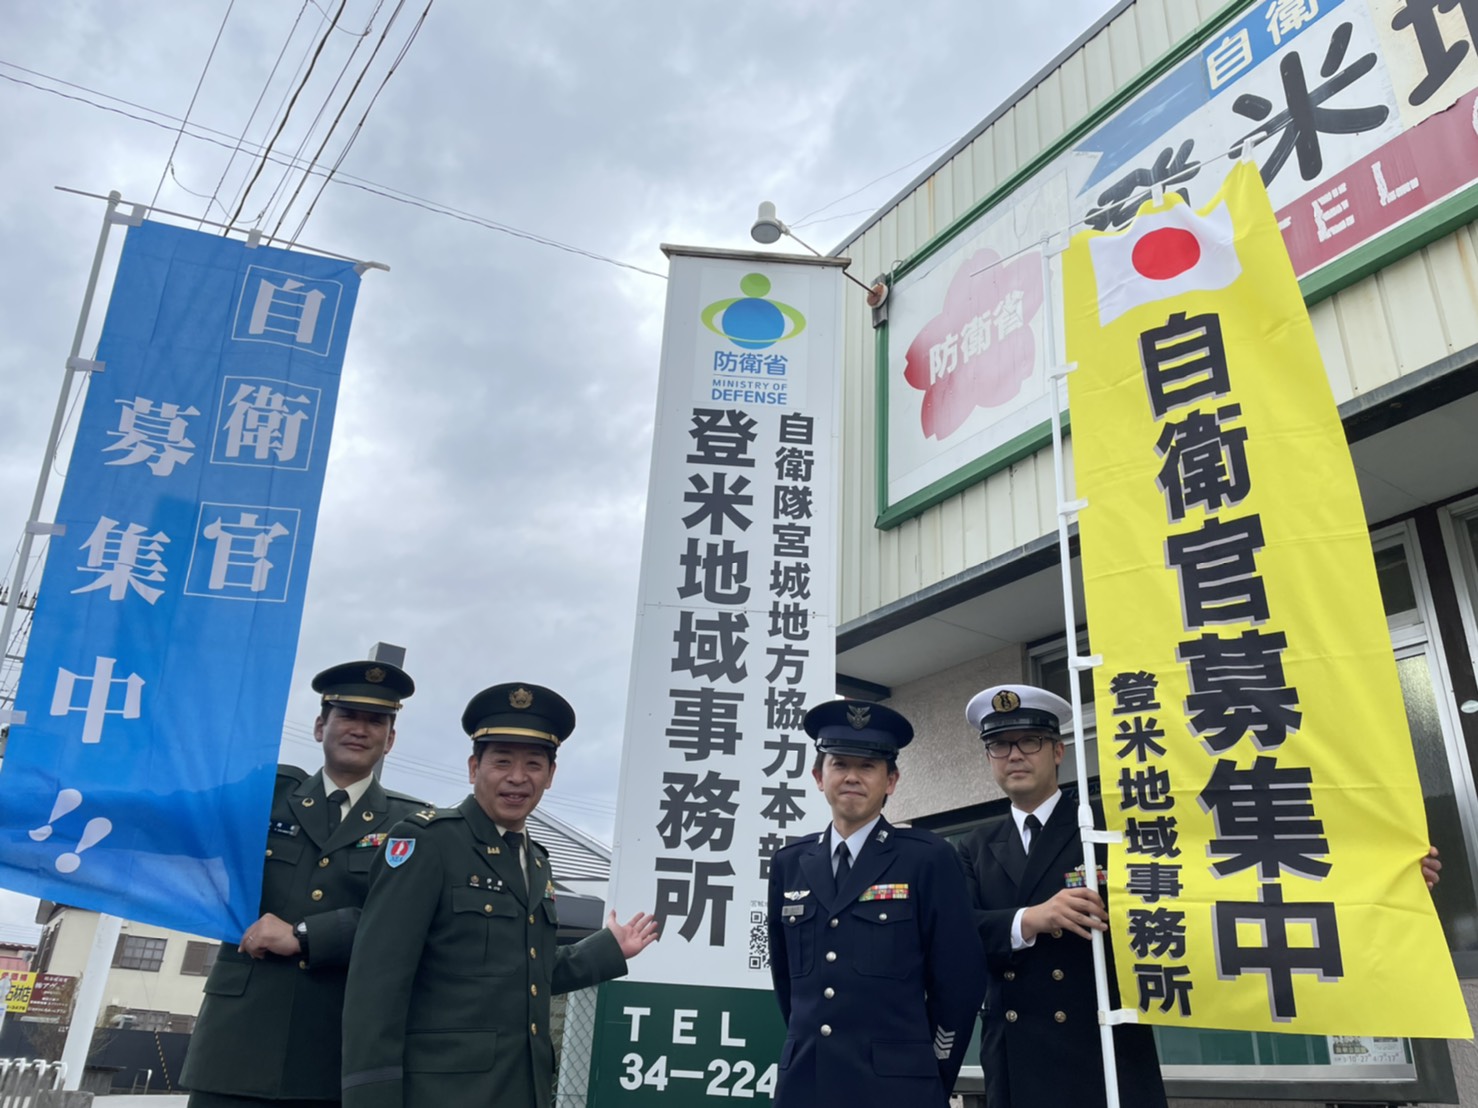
399 851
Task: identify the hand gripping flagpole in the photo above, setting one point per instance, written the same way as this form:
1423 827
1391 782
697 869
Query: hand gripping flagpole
1067 510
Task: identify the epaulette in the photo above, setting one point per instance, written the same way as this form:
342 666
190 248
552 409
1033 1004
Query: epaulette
293 773
431 815
393 795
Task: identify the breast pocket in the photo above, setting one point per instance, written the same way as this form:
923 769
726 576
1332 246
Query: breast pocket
490 923
887 941
283 855
799 928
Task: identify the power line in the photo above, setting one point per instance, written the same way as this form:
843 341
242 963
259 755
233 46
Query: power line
322 108
347 180
359 127
169 161
262 164
338 117
216 192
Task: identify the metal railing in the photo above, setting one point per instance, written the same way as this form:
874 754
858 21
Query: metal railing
22 1078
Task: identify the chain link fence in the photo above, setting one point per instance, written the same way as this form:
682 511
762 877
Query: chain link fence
575 1025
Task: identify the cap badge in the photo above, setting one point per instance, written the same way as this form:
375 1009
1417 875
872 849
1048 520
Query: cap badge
859 717
374 675
520 698
1005 701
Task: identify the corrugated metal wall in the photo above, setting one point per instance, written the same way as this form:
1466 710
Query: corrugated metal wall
1399 320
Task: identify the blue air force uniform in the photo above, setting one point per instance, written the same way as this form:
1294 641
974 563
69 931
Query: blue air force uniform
878 976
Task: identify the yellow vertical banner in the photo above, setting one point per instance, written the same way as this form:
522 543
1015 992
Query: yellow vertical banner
1253 747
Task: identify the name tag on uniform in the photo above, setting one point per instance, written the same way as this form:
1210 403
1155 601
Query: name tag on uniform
283 827
791 909
372 841
1073 879
884 892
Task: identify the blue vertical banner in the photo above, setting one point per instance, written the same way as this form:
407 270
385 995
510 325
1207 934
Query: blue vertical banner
156 678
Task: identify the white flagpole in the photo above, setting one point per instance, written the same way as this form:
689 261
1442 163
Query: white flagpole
1068 510
75 364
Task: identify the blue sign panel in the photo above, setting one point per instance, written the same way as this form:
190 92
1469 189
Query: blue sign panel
157 673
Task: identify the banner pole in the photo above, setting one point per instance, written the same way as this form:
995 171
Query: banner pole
89 1003
34 526
1076 663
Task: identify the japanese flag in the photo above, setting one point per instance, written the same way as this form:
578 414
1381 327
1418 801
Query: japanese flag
1163 254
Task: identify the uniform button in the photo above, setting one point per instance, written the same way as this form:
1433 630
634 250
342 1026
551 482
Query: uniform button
829 993
322 862
833 923
317 894
790 920
1060 1017
269 852
882 915
1009 975
1011 1016
533 953
487 907
831 955
302 965
533 1029
1057 975
531 919
533 990
826 1029
1057 932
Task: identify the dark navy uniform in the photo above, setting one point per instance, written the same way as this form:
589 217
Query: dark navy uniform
879 979
269 1027
1041 1007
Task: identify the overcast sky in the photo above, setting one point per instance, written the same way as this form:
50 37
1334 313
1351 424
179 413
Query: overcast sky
483 505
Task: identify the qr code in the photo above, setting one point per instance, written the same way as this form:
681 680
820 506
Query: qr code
759 941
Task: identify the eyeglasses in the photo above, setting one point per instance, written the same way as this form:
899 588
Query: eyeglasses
1027 744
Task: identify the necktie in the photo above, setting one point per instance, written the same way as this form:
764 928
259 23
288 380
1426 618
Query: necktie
336 808
1033 825
844 864
514 839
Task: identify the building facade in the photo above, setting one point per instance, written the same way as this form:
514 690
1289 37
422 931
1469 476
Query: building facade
950 577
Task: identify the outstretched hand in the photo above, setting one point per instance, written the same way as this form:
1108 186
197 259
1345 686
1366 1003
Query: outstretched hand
635 935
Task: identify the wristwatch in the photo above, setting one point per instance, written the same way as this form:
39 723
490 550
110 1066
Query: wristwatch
300 932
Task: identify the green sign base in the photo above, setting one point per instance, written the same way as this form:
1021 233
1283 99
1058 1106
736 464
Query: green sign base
681 1045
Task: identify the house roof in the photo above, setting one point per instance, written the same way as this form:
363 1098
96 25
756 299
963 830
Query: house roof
20 934
574 855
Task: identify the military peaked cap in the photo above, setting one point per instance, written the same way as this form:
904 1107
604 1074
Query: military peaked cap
365 686
518 712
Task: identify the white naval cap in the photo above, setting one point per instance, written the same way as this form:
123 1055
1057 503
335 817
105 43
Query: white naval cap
1017 708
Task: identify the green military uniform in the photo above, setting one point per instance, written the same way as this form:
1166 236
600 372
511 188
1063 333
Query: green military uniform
269 1027
454 965
456 956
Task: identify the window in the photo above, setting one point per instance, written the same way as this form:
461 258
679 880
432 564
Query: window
137 952
199 959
